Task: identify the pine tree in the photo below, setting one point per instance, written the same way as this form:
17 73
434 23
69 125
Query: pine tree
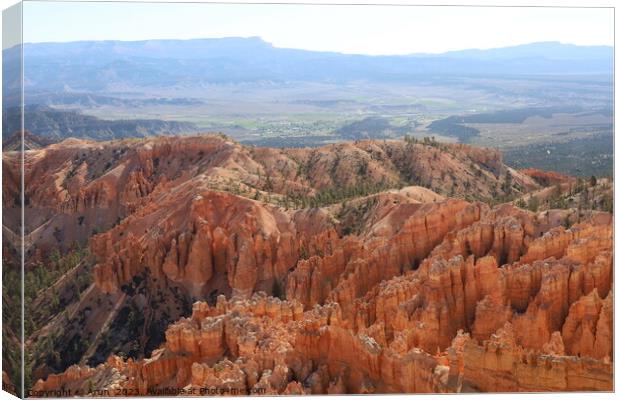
593 181
533 203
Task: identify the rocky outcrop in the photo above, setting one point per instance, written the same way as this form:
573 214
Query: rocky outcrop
398 291
81 187
587 331
265 346
197 240
547 178
371 259
501 365
457 321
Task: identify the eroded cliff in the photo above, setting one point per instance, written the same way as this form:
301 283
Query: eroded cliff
318 271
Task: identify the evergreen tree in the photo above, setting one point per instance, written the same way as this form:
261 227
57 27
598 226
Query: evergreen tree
533 203
593 181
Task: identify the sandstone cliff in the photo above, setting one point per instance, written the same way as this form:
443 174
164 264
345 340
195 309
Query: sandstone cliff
459 297
319 270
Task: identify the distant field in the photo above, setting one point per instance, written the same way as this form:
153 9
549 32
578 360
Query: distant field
511 127
578 157
560 127
571 140
506 112
579 142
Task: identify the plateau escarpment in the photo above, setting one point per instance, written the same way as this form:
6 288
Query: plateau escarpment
363 267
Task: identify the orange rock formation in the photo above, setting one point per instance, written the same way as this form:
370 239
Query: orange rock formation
399 291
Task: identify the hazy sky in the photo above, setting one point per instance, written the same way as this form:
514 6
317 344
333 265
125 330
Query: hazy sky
348 29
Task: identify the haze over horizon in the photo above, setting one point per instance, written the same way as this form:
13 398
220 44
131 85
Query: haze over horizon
368 30
259 38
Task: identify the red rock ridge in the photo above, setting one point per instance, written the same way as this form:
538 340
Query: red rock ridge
459 321
401 291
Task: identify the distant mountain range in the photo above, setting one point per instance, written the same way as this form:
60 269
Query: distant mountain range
56 125
113 65
542 50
